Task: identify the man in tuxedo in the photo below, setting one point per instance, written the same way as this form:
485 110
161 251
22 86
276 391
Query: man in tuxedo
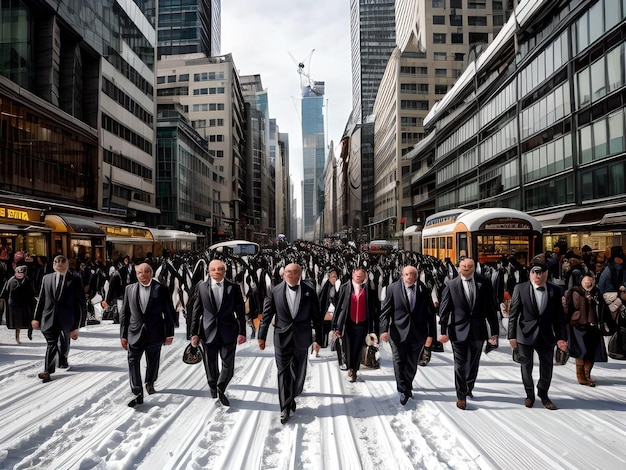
296 308
58 313
356 316
467 301
127 272
147 322
537 323
407 318
219 317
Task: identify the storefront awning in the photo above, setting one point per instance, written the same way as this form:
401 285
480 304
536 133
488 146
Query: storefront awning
143 207
72 224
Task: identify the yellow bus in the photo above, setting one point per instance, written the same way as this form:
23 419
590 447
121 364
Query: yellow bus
485 235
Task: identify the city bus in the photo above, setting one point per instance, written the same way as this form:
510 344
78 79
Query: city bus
241 248
381 247
486 235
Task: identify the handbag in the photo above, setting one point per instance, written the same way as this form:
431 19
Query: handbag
192 355
561 357
615 347
425 356
515 355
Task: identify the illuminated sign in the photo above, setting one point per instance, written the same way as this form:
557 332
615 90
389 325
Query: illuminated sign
15 214
506 224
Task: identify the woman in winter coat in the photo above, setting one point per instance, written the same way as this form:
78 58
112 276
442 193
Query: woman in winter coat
19 297
585 339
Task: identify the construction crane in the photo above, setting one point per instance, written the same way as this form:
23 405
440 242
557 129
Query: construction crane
304 67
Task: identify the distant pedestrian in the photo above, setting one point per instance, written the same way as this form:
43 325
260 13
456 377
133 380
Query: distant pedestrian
19 297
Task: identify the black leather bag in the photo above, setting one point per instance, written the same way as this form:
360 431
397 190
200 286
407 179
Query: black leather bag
192 355
561 357
425 356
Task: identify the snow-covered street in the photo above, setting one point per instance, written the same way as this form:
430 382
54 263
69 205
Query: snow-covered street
80 419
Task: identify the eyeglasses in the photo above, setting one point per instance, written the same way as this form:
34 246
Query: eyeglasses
538 271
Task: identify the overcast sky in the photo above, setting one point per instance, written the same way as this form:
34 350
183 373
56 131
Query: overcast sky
263 35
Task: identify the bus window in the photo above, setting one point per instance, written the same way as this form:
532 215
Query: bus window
462 244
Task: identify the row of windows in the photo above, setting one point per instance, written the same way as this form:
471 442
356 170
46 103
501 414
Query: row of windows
120 130
602 138
497 180
602 77
120 161
466 162
206 76
199 107
503 139
209 91
551 193
549 159
126 101
175 91
471 4
550 59
497 105
545 112
414 104
603 182
461 135
457 20
600 18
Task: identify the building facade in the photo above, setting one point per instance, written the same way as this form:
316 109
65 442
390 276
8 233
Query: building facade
537 123
209 93
313 157
435 40
189 26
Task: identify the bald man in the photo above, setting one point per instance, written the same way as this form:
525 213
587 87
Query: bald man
219 317
297 310
147 322
407 320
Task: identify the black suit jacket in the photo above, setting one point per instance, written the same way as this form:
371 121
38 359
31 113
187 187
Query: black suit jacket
527 325
462 322
221 326
64 312
152 326
402 323
291 332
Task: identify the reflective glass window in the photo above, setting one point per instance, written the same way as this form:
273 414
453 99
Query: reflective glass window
599 139
585 144
598 80
582 82
616 132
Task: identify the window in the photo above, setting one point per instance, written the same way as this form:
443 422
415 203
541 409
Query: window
457 38
160 80
477 20
498 20
441 72
422 70
439 3
422 88
476 4
439 38
475 38
183 77
407 70
171 79
439 19
456 20
456 3
440 56
459 56
441 89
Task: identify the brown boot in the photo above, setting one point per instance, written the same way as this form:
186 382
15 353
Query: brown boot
580 372
588 365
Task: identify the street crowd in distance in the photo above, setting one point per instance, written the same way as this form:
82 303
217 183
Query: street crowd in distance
311 296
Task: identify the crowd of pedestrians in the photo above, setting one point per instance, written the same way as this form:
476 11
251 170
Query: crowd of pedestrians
313 296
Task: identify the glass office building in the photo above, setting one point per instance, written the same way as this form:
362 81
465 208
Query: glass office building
537 123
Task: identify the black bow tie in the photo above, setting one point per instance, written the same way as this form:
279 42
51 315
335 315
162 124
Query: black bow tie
541 288
294 288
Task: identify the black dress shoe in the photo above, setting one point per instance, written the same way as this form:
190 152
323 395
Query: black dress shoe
284 415
529 402
30 334
63 365
214 393
293 405
150 389
470 394
223 398
404 398
138 400
44 376
461 404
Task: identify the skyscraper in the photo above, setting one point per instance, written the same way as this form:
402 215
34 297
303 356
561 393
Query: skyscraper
313 150
189 26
